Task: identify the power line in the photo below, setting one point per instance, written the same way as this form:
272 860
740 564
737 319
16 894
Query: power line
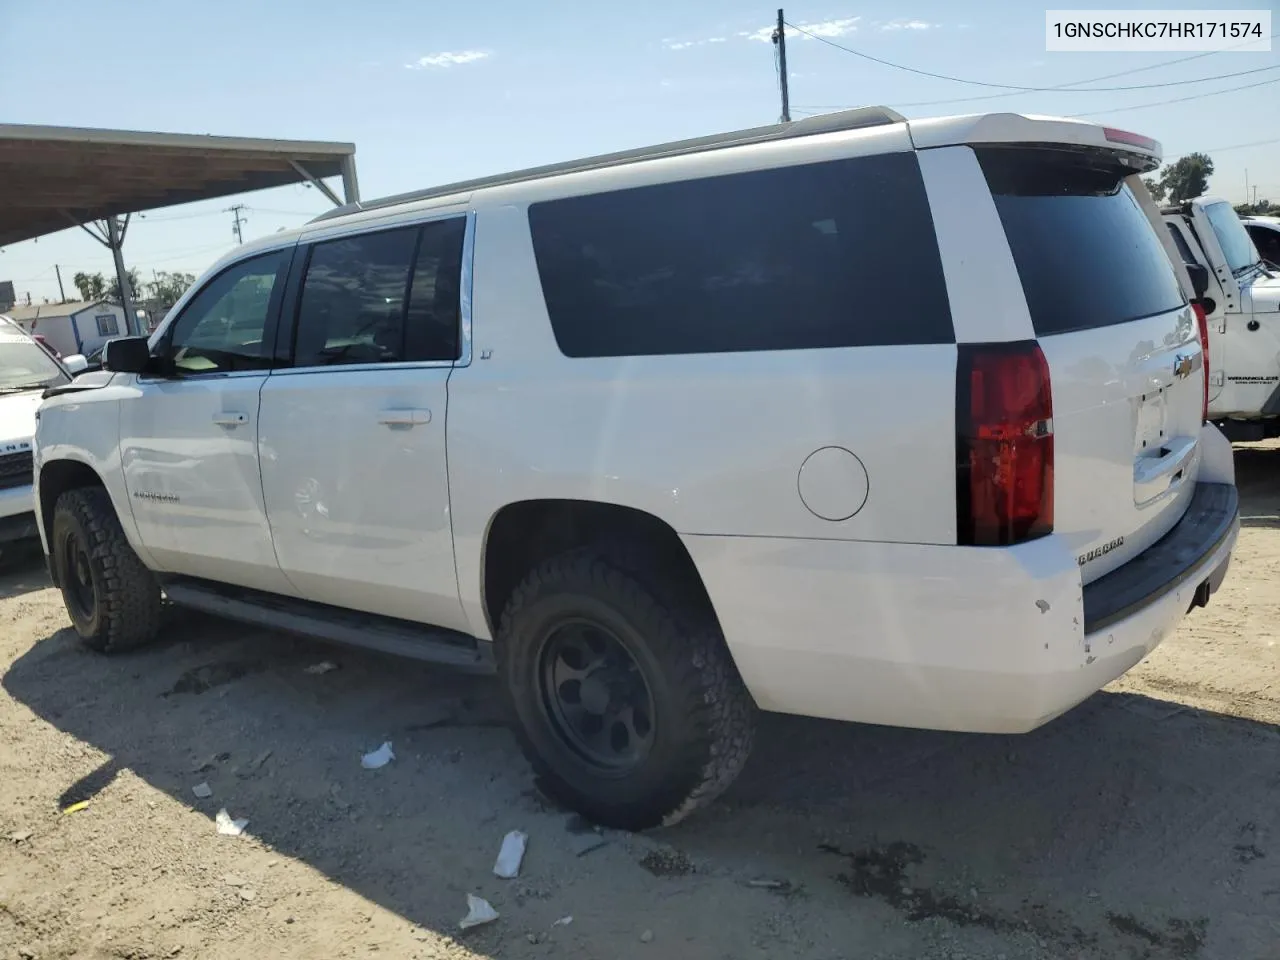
1063 86
1237 146
1020 89
1162 103
290 213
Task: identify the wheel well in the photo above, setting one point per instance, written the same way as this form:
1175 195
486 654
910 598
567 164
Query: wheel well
57 478
525 533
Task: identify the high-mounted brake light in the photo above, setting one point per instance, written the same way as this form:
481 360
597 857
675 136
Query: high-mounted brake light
1004 444
1132 139
1202 324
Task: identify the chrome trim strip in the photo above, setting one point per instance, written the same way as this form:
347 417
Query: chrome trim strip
466 291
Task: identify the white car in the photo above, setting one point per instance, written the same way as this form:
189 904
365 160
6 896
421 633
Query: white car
26 369
814 418
1239 293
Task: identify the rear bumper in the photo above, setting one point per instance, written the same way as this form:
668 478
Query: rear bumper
952 638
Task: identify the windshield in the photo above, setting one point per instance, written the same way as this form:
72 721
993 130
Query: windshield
24 363
1232 236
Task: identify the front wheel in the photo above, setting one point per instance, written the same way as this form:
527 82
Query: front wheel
112 598
626 700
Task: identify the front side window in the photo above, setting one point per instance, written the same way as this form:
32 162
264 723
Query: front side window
24 364
1232 236
387 297
223 327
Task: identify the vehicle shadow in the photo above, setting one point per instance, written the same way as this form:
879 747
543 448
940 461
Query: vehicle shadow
1129 827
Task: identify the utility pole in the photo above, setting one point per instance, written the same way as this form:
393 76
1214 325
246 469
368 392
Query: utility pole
62 294
235 227
1246 184
780 41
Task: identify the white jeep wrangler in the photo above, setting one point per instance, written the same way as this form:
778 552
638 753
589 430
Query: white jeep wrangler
1238 289
822 418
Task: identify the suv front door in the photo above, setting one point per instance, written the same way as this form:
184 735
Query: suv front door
353 429
188 439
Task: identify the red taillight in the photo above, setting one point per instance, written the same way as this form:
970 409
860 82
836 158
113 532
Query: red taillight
1202 322
1004 421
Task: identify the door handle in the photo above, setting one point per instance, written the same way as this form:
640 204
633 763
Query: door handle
230 419
404 416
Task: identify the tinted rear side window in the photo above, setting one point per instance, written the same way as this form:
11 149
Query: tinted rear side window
1179 241
1085 251
837 254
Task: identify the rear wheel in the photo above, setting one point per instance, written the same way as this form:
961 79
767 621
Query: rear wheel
626 700
113 600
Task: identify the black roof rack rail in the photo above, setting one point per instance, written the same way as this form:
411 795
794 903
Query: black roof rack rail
810 126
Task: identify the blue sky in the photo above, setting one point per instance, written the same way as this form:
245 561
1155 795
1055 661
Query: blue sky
431 92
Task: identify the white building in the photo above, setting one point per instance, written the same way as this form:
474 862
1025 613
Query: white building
79 327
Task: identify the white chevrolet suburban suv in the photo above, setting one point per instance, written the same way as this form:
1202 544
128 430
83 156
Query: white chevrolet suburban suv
822 418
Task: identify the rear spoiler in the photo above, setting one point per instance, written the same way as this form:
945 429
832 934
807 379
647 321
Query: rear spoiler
1142 154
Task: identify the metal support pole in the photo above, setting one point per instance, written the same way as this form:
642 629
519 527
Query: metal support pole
116 238
350 185
317 182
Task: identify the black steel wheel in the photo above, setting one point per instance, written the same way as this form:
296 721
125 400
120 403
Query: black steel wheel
595 695
79 593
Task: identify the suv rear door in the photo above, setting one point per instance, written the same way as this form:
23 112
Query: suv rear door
1121 343
1085 275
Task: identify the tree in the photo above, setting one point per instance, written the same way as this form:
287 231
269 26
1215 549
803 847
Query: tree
169 287
1156 188
1187 178
92 286
135 284
1261 208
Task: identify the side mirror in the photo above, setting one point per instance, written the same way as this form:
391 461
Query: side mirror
76 363
1199 275
127 355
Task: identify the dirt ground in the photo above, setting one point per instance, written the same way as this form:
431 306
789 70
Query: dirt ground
1140 825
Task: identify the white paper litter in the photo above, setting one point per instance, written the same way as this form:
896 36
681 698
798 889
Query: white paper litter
227 826
324 666
510 856
378 758
202 790
563 922
479 911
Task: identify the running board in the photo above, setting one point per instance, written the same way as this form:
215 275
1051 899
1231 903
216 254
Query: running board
401 638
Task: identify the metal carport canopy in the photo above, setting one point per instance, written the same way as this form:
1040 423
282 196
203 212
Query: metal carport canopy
53 177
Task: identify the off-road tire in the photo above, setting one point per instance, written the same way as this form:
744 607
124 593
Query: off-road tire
126 602
704 717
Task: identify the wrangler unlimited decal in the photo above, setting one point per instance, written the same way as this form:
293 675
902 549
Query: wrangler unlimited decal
1101 551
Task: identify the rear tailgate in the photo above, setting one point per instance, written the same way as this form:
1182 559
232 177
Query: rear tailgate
1120 339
